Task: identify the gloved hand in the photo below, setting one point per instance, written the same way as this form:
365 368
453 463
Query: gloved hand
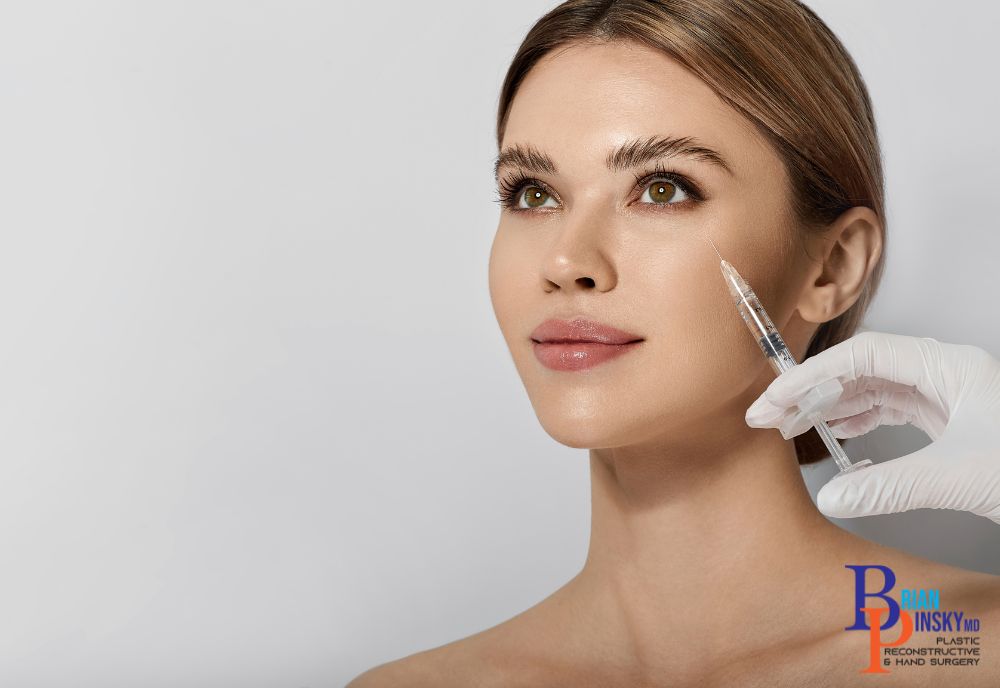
950 391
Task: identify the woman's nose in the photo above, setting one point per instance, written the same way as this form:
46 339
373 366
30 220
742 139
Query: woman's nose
578 261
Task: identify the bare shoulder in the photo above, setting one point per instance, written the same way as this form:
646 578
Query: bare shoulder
415 670
525 650
972 601
979 600
483 660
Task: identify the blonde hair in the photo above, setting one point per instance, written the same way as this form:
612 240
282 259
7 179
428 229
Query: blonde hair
780 66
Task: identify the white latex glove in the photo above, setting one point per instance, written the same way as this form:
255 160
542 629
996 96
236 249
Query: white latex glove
950 391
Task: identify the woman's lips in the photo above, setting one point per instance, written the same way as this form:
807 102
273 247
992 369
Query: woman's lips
578 355
579 344
581 330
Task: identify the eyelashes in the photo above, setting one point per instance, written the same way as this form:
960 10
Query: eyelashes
511 189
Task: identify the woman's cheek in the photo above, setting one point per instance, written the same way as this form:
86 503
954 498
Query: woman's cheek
512 286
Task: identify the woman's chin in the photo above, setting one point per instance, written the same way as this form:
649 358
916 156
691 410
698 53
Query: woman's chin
588 432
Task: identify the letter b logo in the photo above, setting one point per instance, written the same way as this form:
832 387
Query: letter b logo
860 594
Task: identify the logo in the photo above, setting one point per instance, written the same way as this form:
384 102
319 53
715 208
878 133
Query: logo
917 611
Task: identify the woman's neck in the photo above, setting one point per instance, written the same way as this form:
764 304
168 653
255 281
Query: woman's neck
703 546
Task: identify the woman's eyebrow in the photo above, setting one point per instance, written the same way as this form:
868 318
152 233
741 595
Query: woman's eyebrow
630 154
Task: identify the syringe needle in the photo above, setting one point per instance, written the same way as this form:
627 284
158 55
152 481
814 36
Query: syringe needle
713 246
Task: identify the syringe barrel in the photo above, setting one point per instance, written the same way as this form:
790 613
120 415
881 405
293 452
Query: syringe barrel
763 330
758 321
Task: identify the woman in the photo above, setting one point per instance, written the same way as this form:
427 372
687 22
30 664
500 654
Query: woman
631 133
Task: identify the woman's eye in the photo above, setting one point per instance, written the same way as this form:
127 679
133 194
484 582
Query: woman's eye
534 196
662 192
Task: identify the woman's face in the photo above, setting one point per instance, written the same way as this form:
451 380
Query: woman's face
586 241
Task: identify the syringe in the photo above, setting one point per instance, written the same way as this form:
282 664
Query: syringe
781 359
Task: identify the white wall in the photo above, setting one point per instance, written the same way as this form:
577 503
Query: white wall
258 425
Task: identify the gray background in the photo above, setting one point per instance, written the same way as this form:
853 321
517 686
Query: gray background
258 425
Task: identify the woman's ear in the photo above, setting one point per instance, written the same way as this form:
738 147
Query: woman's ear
851 247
